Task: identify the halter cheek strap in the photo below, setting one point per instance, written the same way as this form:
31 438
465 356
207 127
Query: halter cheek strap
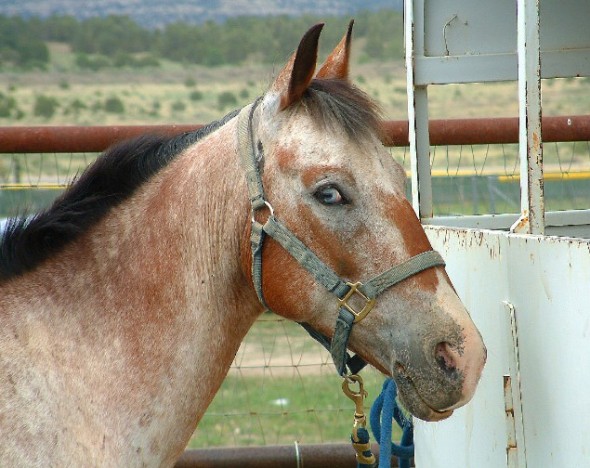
346 292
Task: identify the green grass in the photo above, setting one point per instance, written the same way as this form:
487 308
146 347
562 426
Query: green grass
277 402
277 410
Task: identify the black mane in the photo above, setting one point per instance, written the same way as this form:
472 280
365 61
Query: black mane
111 179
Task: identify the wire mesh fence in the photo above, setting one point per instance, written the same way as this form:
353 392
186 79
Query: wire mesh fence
31 181
466 179
282 387
485 179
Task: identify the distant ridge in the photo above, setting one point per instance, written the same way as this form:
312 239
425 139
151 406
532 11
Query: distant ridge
155 13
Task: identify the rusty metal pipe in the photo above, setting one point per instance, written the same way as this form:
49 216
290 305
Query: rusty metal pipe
274 456
489 131
77 139
442 132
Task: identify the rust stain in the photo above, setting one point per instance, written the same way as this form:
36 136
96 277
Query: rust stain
536 142
522 225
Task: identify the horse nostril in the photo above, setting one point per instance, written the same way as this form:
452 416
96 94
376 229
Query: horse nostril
444 357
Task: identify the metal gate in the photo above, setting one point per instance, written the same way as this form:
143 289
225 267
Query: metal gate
528 292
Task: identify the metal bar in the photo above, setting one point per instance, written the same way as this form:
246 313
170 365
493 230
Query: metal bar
532 196
503 130
516 446
418 125
419 137
71 139
275 456
77 139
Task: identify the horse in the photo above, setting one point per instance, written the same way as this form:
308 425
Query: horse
124 303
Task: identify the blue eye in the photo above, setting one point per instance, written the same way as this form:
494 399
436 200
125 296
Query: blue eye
330 195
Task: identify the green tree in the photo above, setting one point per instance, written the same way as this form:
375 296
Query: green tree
114 105
111 35
59 28
45 106
226 99
7 105
20 44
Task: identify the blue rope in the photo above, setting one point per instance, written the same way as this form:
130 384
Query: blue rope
383 412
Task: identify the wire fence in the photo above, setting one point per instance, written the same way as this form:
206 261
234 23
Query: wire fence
466 179
282 387
485 179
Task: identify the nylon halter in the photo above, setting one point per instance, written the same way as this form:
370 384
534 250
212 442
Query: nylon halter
366 292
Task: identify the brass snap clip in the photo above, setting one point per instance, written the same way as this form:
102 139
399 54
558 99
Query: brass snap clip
358 397
359 436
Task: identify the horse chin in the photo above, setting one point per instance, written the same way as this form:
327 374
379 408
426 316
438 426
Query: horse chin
410 399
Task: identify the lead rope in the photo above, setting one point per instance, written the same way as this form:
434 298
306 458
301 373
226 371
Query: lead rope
383 412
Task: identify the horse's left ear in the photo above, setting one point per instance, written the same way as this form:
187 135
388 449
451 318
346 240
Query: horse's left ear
336 65
295 78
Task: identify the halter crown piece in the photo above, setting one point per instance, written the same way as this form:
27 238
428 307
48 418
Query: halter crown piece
361 292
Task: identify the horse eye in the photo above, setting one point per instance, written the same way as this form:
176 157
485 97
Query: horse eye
330 195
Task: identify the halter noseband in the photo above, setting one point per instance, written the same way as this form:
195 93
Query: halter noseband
344 290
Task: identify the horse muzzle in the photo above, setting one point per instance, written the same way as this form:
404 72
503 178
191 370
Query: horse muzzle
440 377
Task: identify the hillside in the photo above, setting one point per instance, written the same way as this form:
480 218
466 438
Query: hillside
155 13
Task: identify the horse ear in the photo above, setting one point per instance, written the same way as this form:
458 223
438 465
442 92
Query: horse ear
296 76
336 65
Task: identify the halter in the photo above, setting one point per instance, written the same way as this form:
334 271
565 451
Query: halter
365 293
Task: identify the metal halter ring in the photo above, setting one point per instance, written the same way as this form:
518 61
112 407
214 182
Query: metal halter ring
270 208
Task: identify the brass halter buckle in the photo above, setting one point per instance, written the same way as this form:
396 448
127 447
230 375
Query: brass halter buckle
356 293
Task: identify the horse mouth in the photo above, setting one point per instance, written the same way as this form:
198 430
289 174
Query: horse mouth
411 400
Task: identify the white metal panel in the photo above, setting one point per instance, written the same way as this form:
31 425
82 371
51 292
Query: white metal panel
471 27
468 27
460 41
546 279
573 223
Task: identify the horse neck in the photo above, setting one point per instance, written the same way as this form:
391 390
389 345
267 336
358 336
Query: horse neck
157 287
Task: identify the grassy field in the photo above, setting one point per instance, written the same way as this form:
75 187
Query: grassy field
174 93
282 388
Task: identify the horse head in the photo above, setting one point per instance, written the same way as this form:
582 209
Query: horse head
326 177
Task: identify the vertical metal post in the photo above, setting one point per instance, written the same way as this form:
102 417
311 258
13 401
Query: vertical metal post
417 113
532 202
515 441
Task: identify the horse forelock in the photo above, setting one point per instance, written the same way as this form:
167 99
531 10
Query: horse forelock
338 104
28 241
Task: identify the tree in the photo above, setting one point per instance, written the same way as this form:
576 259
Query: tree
45 106
114 105
111 35
226 99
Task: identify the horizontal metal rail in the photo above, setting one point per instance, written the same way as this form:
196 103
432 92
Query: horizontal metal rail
70 139
275 456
